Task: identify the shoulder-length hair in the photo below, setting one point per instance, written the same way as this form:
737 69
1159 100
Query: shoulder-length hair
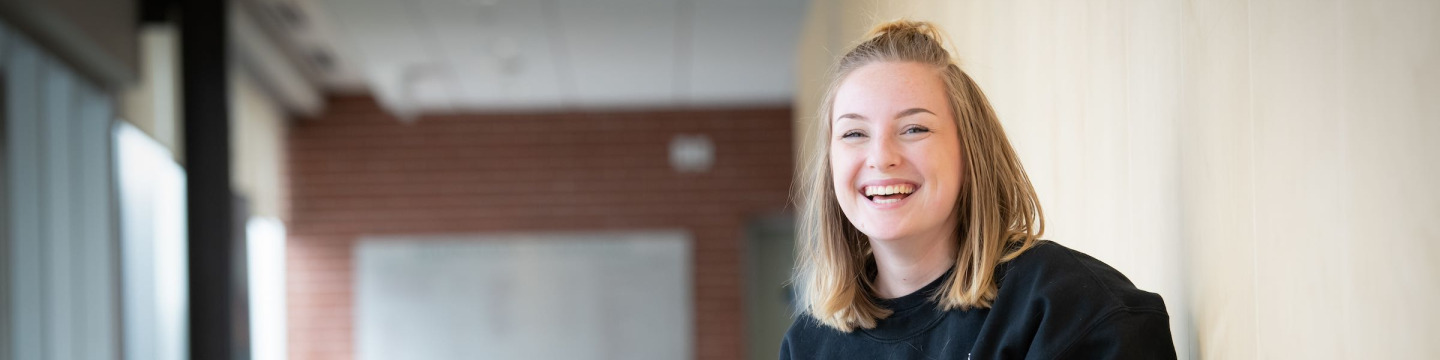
998 211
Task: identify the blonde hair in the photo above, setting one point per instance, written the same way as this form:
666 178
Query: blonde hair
998 211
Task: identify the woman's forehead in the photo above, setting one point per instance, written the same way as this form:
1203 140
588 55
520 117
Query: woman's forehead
888 89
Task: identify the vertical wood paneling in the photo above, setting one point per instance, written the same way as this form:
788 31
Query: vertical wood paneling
1150 226
1300 165
1388 54
1216 178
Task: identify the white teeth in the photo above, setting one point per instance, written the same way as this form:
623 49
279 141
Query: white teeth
889 189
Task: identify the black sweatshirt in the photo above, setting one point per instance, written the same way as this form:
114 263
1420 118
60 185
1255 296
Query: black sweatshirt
1054 303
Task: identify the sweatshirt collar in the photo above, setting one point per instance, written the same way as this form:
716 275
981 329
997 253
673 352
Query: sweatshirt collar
910 314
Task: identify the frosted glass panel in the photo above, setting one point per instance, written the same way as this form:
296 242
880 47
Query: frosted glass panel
265 241
153 236
524 296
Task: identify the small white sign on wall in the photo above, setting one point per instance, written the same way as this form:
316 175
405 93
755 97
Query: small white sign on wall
602 295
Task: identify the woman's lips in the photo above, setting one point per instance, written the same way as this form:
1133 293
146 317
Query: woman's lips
887 192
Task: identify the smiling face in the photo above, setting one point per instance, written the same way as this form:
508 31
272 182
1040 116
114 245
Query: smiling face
895 152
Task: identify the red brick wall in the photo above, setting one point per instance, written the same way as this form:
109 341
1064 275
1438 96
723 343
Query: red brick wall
357 171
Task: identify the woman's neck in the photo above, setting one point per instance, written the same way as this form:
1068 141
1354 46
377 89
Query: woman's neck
906 265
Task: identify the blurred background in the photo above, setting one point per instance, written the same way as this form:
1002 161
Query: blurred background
568 179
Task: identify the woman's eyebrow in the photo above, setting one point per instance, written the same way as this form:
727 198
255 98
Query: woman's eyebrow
913 111
907 112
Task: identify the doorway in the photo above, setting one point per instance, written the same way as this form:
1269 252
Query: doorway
769 297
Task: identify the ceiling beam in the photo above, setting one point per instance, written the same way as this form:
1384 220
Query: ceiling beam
263 59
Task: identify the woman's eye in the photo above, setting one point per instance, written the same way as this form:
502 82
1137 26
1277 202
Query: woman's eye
852 134
916 130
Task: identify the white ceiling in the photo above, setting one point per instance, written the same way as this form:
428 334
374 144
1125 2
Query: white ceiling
507 55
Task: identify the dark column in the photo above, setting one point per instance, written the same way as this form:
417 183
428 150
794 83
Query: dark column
216 308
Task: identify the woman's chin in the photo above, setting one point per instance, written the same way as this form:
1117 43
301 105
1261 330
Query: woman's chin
886 235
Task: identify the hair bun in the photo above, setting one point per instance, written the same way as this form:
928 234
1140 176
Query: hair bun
905 28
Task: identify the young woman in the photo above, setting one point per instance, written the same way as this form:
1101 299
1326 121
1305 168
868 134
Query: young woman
920 230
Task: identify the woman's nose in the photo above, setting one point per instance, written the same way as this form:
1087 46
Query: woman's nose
883 154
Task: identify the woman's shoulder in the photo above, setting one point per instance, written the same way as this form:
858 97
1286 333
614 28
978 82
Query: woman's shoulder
807 338
1087 309
1049 270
